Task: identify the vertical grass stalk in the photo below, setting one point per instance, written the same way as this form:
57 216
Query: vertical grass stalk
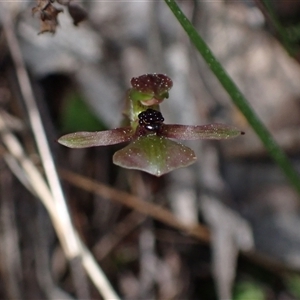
237 97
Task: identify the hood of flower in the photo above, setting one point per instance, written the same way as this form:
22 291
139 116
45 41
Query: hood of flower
156 85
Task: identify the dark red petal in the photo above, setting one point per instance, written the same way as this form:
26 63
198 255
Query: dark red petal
86 139
209 131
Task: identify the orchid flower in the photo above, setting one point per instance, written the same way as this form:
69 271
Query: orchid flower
151 148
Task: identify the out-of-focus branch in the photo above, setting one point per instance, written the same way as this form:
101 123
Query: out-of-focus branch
52 196
159 213
41 190
70 245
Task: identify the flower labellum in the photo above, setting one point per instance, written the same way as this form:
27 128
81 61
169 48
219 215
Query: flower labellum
155 155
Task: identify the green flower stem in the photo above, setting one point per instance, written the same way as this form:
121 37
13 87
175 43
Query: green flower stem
237 97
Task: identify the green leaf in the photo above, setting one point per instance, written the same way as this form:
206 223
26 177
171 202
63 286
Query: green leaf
293 284
209 131
248 291
155 155
87 139
76 116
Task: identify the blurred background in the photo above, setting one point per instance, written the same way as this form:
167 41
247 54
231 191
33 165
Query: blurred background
234 228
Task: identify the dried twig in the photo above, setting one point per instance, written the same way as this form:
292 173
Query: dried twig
42 191
70 245
52 196
146 208
161 214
